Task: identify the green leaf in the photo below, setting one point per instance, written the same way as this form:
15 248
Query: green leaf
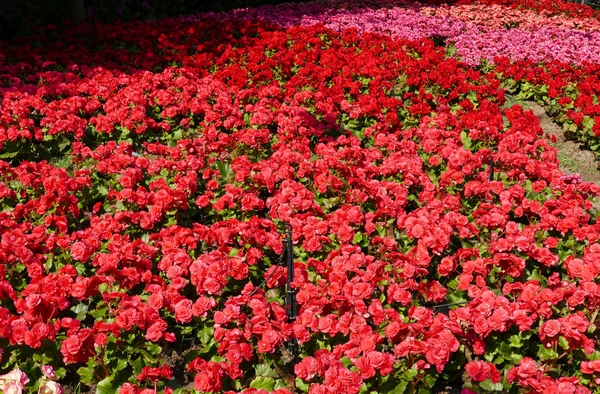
206 334
80 310
102 190
410 374
107 386
430 379
187 330
466 140
224 169
97 313
562 341
263 382
86 374
346 362
400 387
266 371
302 385
153 348
9 155
233 252
546 354
594 356
122 364
515 341
279 384
42 358
534 275
63 143
60 373
457 296
178 134
487 385
137 365
363 389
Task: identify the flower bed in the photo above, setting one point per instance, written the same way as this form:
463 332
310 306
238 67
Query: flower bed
546 55
148 170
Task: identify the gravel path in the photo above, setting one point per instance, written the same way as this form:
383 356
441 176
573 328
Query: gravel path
573 157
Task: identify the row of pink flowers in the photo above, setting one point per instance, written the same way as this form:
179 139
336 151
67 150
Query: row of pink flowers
501 17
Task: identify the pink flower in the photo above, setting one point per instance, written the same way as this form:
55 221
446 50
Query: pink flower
13 388
51 387
48 371
16 376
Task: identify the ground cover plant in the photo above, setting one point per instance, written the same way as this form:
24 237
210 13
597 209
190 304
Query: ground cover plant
149 169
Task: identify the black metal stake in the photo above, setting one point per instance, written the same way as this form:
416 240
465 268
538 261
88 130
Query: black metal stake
290 304
491 167
445 308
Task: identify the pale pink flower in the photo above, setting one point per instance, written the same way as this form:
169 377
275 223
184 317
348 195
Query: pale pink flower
13 388
51 387
16 376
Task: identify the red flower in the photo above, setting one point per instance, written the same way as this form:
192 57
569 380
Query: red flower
590 367
79 251
270 338
549 329
128 388
155 331
183 311
481 370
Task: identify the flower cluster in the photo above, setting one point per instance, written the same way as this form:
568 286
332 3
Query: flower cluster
15 381
560 8
497 16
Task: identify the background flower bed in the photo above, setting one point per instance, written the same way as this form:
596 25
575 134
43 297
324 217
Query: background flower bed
551 57
148 168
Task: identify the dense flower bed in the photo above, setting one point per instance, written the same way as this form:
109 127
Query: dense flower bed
501 17
549 8
148 170
557 54
475 32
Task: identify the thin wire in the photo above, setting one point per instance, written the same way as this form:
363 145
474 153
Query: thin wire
270 275
450 304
